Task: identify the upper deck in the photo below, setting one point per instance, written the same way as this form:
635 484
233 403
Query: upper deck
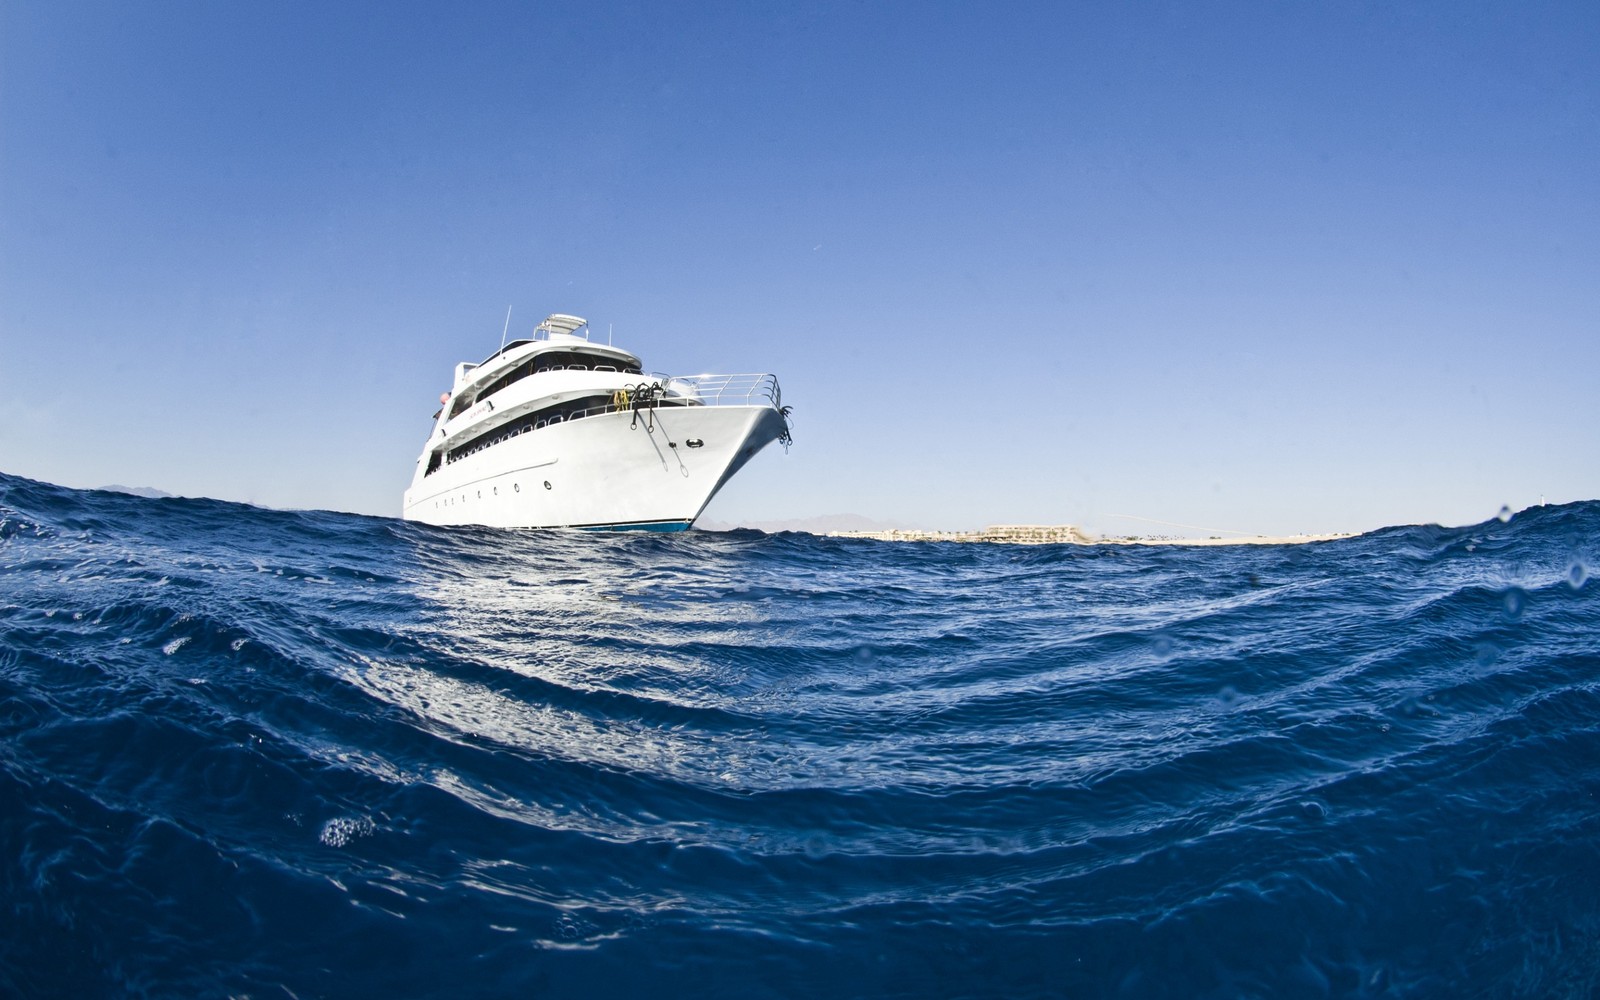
556 345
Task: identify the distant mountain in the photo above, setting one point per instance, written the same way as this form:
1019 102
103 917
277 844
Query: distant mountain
138 491
819 525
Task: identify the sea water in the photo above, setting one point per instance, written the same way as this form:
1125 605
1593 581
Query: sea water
303 754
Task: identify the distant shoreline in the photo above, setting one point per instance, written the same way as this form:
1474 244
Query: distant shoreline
1067 534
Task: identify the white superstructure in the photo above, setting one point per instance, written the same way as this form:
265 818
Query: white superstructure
558 431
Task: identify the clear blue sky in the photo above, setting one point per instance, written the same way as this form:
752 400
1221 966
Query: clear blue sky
1273 267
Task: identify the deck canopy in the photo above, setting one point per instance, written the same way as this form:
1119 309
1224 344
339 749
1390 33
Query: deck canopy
561 323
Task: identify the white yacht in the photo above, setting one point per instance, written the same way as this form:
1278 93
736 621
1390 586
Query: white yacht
560 431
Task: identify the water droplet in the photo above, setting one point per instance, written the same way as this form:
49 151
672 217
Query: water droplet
1314 809
1505 513
1577 575
1161 645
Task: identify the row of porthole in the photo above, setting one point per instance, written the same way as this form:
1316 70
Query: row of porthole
451 501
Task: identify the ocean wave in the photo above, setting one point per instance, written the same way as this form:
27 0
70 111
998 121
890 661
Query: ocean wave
249 752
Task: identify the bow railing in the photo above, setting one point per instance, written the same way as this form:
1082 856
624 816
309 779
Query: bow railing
723 390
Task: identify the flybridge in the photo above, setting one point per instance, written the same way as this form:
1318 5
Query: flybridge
554 325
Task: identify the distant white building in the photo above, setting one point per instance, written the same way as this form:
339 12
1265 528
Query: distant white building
1012 534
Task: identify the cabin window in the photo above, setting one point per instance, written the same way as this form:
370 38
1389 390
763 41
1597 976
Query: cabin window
572 409
557 361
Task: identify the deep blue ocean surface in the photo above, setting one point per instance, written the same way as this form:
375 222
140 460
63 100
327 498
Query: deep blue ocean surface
278 754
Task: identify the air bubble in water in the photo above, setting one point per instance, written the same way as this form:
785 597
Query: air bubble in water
340 831
1515 601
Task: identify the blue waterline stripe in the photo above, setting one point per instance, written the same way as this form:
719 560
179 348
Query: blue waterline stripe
637 526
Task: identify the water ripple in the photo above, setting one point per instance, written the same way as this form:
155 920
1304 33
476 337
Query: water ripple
246 752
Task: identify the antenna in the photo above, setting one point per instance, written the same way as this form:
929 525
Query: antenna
608 344
503 329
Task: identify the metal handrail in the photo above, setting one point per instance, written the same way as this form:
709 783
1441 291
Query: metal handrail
678 390
724 390
700 390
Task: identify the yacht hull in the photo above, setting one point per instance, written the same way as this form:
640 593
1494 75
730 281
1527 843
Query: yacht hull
654 469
